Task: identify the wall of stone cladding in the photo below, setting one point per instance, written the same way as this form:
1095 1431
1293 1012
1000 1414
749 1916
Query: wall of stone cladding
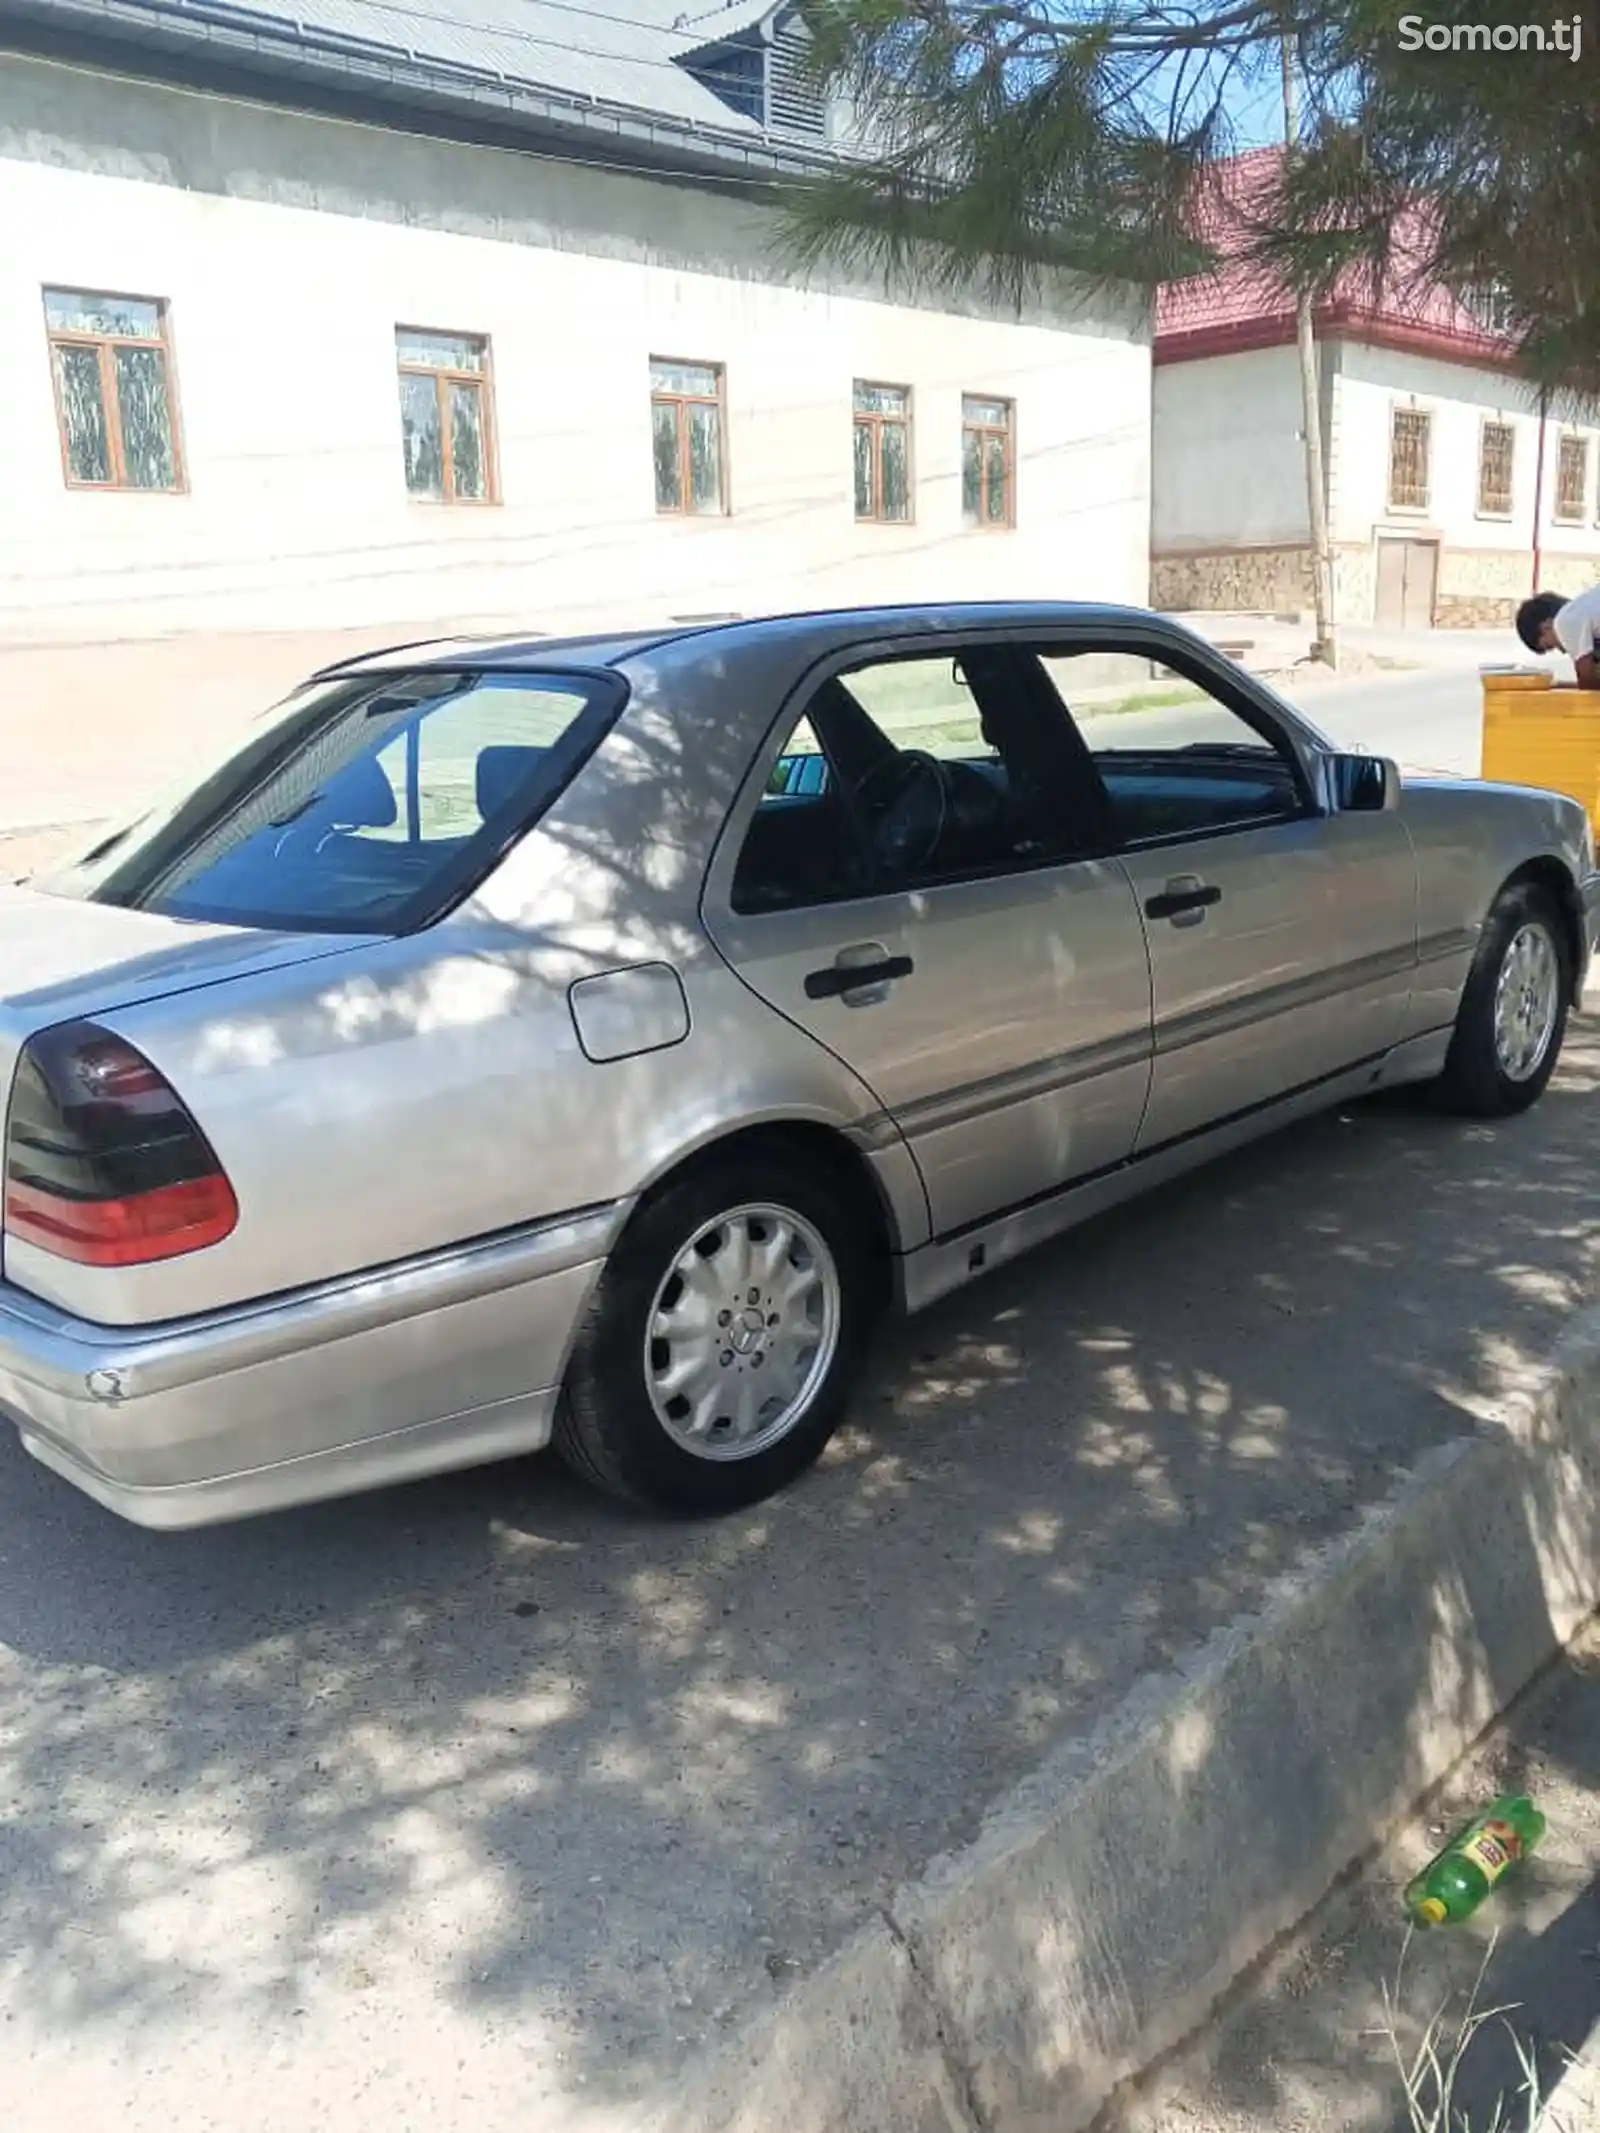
1472 611
1232 581
1354 584
1483 574
1567 574
1507 573
1480 588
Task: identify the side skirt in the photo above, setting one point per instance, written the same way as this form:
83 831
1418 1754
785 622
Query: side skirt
948 1263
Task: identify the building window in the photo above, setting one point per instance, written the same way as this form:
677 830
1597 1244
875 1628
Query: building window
686 420
1572 480
988 462
1497 446
883 452
113 379
1410 433
446 419
1489 305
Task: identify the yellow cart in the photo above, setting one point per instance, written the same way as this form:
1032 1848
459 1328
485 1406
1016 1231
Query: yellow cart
1537 734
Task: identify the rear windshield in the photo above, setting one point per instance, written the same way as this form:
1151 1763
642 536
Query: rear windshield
363 805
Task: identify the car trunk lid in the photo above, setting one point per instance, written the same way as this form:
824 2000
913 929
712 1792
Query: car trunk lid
62 958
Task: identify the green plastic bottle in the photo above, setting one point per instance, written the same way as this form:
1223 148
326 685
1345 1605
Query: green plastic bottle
1456 1881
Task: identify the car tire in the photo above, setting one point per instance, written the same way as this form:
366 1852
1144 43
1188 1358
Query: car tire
1504 1049
695 1392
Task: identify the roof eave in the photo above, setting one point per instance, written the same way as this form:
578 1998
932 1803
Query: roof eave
1336 321
151 39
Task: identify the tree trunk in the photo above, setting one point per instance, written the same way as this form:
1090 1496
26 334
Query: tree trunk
1326 647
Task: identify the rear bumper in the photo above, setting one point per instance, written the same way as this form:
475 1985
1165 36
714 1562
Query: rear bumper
433 1363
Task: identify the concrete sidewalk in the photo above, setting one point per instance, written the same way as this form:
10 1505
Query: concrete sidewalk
1280 647
85 730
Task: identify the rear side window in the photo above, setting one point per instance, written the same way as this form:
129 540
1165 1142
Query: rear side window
365 805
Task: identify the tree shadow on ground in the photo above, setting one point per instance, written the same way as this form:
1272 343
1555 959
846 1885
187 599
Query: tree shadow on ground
577 1791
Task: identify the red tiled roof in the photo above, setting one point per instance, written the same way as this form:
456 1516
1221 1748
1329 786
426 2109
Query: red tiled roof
1243 305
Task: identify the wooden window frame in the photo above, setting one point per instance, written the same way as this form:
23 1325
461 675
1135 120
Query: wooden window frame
105 346
680 403
983 523
1393 504
443 378
1559 517
875 422
1495 510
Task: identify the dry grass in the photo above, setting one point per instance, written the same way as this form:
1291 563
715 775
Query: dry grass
1430 2073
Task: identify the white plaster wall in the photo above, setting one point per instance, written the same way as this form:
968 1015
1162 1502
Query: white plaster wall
1227 463
289 248
1371 382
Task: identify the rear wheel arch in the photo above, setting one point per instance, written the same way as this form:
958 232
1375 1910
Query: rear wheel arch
829 1150
646 1412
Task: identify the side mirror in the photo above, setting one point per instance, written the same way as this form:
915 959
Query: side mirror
1365 784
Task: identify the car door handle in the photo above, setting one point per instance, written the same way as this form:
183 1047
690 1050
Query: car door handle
1185 900
841 977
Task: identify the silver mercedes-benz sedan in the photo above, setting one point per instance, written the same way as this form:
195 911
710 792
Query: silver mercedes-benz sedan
585 1040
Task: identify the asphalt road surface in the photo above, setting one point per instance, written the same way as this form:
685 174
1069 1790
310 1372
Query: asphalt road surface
1427 722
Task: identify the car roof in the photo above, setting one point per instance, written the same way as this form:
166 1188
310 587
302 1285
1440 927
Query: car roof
531 653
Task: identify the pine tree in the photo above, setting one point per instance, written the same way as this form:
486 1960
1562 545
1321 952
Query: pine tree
1001 138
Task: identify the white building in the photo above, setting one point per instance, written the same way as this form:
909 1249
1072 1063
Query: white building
1447 494
351 315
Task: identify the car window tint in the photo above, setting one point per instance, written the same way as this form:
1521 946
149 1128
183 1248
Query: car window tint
359 808
1175 761
935 769
801 770
924 703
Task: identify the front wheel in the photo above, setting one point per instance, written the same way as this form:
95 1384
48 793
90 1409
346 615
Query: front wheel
1513 1012
715 1358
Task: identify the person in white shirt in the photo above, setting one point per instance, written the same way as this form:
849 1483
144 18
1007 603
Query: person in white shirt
1547 623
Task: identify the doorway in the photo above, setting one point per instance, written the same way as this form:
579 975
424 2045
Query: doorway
1408 579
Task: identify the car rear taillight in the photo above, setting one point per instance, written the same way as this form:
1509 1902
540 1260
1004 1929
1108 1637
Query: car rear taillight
103 1164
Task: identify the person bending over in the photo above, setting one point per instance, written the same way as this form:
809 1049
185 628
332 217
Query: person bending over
1547 623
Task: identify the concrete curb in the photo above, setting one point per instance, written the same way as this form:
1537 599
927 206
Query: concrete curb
1110 1898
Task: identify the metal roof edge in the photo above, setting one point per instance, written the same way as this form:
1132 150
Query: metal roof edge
1334 322
133 37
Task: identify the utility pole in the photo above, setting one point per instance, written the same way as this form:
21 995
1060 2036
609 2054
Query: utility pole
1326 647
1538 491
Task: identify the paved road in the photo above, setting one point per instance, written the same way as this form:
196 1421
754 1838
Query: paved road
478 1804
1427 722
